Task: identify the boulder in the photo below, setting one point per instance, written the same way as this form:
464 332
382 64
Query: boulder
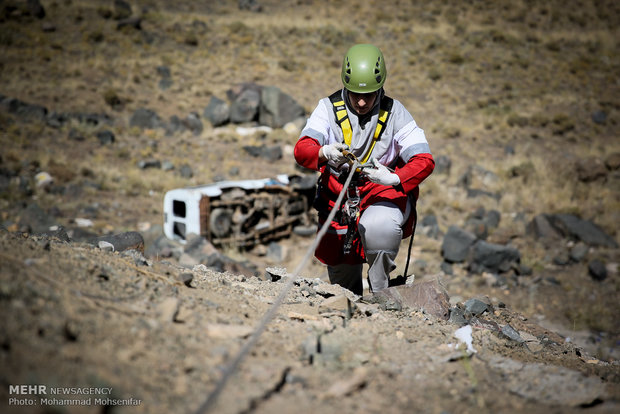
193 123
244 106
541 228
277 108
477 307
428 296
175 124
217 112
577 229
494 257
145 118
456 244
597 270
106 137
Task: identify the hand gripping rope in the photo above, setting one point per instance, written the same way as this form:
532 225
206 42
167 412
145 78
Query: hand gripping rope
230 369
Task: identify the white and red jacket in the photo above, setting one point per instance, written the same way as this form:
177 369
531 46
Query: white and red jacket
402 146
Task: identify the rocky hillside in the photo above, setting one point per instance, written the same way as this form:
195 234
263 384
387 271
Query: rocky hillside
107 105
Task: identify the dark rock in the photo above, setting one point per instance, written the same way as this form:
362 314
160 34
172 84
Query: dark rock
495 257
131 22
512 334
540 227
199 247
137 256
476 307
443 165
163 71
457 317
186 278
578 252
80 234
597 270
193 123
244 107
271 153
475 174
492 219
150 163
277 108
428 296
122 9
174 125
165 83
251 5
578 229
478 227
145 118
430 227
303 182
456 245
92 119
475 193
599 117
523 270
509 150
60 234
56 120
253 150
186 171
105 137
446 268
34 219
131 240
217 112
223 263
25 110
561 259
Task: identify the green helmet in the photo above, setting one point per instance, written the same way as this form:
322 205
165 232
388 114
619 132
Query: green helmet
363 69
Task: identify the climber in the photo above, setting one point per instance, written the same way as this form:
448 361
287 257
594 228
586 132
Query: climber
360 122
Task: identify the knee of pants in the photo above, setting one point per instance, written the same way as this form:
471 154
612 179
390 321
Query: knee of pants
380 233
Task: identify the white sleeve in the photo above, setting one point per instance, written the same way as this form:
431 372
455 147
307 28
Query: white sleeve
411 141
317 126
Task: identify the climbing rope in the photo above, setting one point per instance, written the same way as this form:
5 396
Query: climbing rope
232 367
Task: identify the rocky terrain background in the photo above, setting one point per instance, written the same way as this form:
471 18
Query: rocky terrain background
106 105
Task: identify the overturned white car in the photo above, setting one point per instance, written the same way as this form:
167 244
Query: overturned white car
242 213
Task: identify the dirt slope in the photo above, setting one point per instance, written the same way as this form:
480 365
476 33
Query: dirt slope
523 94
81 317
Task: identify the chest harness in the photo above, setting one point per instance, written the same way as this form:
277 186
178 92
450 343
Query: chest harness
351 207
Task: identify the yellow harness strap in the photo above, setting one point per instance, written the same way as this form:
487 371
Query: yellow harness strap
342 119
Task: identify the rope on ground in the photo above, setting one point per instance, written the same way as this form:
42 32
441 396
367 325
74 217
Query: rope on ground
232 367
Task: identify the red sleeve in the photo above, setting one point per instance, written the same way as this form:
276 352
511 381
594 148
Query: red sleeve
415 171
307 153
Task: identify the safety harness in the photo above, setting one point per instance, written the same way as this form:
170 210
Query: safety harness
351 208
342 119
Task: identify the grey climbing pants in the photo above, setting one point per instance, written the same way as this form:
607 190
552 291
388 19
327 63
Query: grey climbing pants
380 229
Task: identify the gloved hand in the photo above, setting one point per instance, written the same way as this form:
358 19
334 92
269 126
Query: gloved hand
379 174
333 152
